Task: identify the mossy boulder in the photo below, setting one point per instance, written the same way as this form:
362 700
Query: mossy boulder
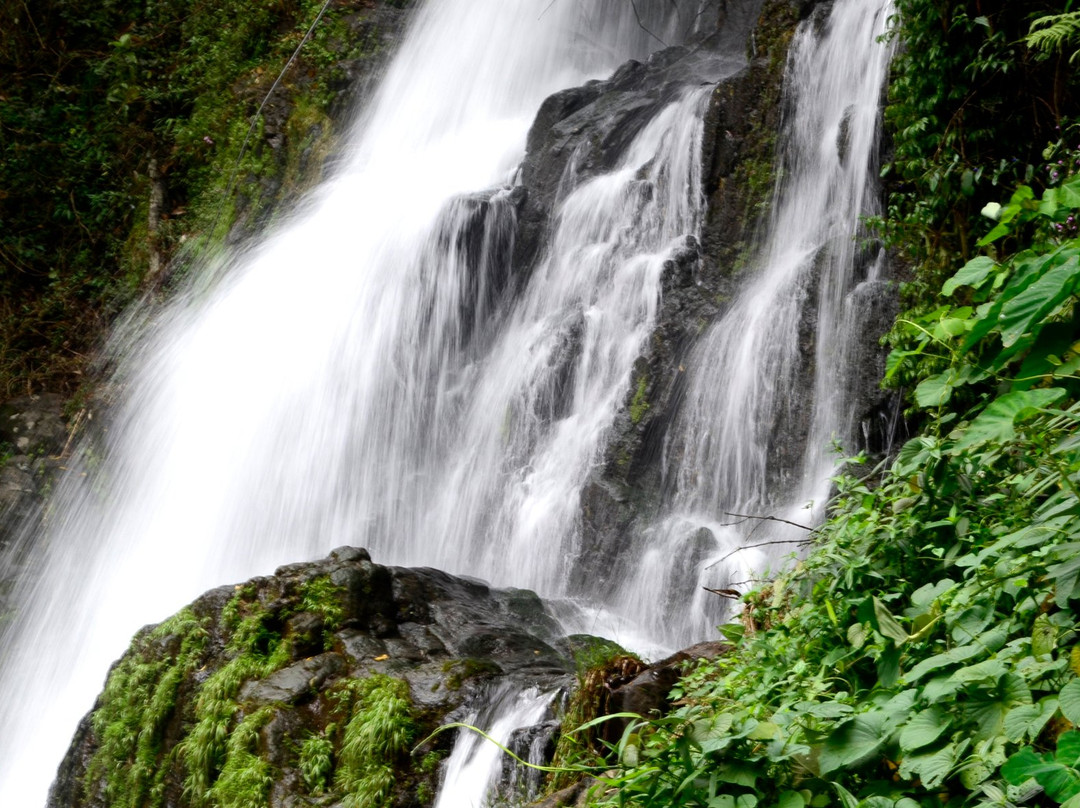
308 687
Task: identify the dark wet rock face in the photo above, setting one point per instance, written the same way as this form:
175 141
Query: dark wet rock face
702 276
33 435
583 131
251 681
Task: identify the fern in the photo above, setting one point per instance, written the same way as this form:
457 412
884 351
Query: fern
1054 33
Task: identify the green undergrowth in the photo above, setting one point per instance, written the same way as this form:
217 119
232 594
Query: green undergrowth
925 652
245 778
316 761
129 94
138 703
598 662
971 106
209 750
169 723
375 741
145 741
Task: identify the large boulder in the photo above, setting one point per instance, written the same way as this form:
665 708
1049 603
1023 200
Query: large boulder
307 687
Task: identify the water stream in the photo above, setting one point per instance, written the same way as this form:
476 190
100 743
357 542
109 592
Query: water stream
769 393
372 374
473 768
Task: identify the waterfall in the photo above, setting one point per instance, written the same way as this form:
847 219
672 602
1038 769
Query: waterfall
376 373
312 392
767 400
474 766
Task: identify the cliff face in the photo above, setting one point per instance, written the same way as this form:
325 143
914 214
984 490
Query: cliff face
121 129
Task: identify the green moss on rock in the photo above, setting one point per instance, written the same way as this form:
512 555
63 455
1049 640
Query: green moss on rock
137 705
639 405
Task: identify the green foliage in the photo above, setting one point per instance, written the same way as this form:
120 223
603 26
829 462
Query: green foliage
1051 34
375 741
970 107
317 762
580 744
323 597
246 777
1056 772
925 651
258 650
138 702
122 84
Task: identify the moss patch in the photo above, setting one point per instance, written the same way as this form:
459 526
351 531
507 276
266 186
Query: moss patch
137 706
375 741
639 405
460 670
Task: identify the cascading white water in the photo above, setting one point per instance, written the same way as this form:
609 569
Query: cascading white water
752 394
314 392
475 763
367 377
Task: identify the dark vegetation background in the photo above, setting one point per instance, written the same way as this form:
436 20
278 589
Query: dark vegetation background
120 127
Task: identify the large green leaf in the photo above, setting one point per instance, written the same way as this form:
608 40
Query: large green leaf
997 422
737 772
1020 314
932 767
987 705
1069 701
846 798
924 729
973 273
790 799
951 657
935 391
1026 721
886 624
1022 766
1059 782
1044 359
825 709
970 622
1043 636
914 453
1066 574
1068 749
854 742
987 321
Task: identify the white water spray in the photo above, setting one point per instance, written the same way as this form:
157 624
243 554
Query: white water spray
473 769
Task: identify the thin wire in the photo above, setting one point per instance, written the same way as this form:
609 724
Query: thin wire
255 118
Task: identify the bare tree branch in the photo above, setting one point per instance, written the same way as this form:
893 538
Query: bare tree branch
642 25
730 594
758 544
745 516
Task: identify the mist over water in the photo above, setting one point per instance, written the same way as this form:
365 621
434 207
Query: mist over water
372 374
